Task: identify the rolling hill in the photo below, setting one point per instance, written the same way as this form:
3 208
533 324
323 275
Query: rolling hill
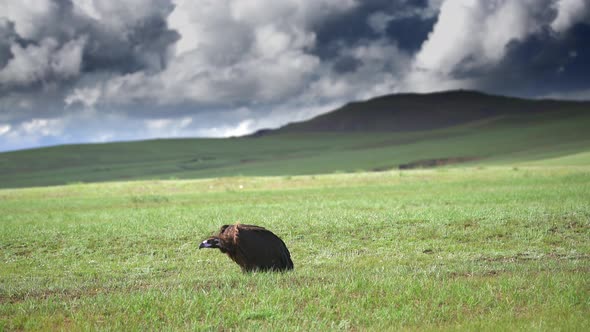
390 132
420 112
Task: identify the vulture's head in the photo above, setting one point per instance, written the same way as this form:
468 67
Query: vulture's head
213 242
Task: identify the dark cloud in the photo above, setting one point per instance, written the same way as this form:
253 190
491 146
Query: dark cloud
410 32
346 64
406 22
143 47
542 64
7 34
574 68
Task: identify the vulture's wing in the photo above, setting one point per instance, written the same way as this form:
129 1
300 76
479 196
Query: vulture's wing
261 249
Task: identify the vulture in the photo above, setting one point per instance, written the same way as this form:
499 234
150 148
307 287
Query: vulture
253 248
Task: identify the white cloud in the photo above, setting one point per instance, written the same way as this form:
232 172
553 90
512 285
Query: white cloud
29 64
29 16
232 53
472 35
88 97
168 125
570 12
87 8
243 128
66 61
4 128
34 63
475 32
121 16
42 127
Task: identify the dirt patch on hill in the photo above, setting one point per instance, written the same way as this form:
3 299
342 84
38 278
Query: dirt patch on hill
428 163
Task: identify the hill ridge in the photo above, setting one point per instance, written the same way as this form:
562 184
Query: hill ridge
422 111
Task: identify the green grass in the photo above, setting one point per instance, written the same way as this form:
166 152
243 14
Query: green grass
492 248
503 140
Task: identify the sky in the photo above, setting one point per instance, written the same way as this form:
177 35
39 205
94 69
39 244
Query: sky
81 71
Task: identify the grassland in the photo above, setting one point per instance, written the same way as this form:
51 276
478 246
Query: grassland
492 248
506 139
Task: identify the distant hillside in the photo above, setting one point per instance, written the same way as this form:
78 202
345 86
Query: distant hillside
416 112
391 132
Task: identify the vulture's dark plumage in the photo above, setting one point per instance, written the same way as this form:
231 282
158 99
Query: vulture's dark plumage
254 248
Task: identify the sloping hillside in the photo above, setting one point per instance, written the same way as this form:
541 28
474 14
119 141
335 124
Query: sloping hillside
414 112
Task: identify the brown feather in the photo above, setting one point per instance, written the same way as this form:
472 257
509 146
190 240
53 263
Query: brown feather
254 248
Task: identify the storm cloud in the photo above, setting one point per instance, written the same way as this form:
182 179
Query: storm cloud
90 71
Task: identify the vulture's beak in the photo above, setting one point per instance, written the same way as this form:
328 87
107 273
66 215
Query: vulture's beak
205 244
